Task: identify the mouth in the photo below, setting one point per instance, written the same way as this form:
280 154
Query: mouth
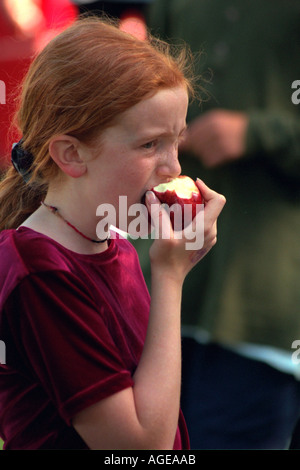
143 198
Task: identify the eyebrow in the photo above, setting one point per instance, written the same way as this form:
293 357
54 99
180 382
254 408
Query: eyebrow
162 134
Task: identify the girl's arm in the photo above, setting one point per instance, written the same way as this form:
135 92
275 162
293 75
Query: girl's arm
146 415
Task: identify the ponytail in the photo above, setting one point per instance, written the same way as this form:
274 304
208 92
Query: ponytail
18 199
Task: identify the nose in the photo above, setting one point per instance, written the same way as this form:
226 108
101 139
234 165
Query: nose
169 166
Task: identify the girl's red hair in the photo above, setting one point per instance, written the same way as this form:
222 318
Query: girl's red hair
77 85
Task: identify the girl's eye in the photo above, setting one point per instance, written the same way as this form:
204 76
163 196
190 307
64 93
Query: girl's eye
149 145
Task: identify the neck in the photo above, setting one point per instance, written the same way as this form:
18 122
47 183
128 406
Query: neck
51 225
55 210
78 211
73 207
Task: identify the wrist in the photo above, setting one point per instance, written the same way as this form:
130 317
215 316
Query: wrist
166 276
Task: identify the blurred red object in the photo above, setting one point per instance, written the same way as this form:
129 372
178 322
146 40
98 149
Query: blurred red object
133 22
25 27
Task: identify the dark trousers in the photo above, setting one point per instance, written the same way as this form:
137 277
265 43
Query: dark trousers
232 402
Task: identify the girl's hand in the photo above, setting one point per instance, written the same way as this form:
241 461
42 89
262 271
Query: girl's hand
170 252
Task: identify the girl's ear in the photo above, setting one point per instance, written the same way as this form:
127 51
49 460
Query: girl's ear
64 150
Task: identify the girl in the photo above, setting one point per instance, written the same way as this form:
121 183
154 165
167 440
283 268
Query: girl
90 362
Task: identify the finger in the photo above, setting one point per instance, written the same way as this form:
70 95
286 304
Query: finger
151 199
195 231
214 202
159 217
207 192
153 205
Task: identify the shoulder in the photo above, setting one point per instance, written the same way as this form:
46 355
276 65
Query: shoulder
29 251
24 252
125 248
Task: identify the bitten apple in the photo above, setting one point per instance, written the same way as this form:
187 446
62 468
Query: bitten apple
185 195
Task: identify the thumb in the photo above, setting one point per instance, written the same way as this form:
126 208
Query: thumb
160 219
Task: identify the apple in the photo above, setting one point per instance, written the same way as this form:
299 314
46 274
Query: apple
181 191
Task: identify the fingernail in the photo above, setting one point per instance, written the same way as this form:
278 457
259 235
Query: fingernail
151 197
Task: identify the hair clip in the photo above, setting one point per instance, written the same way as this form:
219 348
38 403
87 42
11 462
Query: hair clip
21 160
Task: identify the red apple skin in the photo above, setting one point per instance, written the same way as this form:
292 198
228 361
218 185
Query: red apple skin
170 196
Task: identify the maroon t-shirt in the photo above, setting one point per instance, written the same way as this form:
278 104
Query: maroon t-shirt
73 326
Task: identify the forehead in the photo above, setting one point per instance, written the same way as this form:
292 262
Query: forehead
165 109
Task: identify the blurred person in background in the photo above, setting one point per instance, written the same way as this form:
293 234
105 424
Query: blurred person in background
241 375
25 28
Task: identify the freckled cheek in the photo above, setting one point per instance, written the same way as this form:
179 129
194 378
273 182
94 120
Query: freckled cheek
129 183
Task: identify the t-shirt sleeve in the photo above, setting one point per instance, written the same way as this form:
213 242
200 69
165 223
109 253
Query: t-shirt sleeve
66 341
